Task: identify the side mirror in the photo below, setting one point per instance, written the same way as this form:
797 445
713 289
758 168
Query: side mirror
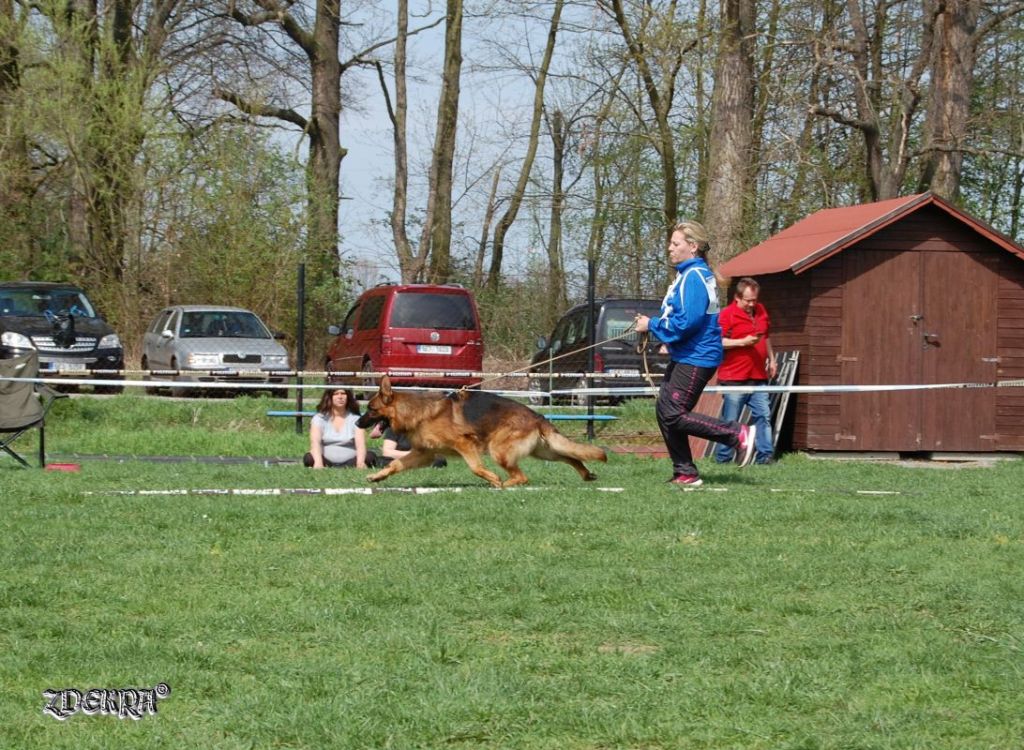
542 342
279 335
167 333
333 330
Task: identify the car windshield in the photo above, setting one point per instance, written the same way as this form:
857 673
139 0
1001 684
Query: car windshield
220 323
618 318
426 310
49 302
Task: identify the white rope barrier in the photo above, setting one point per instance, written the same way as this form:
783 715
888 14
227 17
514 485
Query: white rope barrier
569 392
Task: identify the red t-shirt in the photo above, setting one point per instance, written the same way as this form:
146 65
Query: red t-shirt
744 362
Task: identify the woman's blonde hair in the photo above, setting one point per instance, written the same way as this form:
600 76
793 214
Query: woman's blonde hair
695 232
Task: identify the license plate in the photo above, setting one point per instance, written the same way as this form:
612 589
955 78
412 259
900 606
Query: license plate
433 349
68 366
625 373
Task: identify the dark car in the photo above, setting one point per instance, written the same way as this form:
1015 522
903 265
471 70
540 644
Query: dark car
60 322
407 330
619 360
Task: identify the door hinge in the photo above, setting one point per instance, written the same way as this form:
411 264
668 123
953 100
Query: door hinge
841 436
988 437
993 360
842 358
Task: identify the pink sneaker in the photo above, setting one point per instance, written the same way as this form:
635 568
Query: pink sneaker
745 447
687 480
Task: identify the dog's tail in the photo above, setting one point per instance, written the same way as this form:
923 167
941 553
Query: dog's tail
562 445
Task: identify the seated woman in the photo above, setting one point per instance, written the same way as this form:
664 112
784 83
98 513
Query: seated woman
334 439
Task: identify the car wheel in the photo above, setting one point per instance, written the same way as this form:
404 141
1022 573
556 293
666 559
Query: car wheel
150 390
178 391
368 384
576 399
536 399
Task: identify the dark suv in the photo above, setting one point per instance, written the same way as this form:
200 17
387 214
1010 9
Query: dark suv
619 359
61 324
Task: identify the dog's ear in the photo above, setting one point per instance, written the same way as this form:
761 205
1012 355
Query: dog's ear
385 389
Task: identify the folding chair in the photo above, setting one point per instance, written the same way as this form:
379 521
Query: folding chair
23 404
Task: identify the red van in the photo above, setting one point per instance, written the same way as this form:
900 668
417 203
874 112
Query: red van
406 329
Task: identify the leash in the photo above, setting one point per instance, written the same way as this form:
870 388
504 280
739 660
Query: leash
643 340
625 332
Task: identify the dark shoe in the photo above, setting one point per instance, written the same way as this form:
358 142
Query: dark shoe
745 448
687 480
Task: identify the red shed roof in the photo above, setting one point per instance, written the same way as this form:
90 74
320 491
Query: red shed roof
832 230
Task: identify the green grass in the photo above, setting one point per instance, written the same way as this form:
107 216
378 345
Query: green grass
777 608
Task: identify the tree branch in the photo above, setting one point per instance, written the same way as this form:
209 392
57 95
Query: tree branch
273 12
261 110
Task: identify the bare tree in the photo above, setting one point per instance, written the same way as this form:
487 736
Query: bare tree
318 43
516 199
886 88
958 35
654 34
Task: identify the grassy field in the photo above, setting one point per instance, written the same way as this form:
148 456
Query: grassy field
789 606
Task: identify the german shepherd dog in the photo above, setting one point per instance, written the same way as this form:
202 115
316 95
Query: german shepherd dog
468 423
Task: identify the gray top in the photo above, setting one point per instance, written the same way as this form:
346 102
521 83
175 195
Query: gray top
339 445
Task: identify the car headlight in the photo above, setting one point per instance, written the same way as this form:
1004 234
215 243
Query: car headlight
203 360
110 341
16 340
278 360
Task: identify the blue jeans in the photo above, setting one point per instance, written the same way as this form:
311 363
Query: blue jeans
760 412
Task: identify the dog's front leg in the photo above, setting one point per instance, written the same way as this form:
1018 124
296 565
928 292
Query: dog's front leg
414 459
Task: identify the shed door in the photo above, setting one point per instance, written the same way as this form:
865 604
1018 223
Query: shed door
917 317
958 333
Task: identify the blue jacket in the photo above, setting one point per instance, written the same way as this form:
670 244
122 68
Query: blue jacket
688 321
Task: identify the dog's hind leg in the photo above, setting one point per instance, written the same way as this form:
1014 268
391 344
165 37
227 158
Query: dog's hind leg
545 452
586 474
508 448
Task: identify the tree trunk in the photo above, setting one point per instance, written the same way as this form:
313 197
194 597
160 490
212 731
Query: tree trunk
732 112
325 151
949 105
399 122
556 296
15 185
485 229
516 199
438 229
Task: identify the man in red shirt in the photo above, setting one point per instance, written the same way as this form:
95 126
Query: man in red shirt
748 360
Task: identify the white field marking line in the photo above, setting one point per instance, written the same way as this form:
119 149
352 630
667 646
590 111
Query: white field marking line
319 491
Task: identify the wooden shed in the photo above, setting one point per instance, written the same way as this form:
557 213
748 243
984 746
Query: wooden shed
904 291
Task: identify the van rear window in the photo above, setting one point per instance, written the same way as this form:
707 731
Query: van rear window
618 319
425 310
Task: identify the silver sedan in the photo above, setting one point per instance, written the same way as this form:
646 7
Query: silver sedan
209 343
